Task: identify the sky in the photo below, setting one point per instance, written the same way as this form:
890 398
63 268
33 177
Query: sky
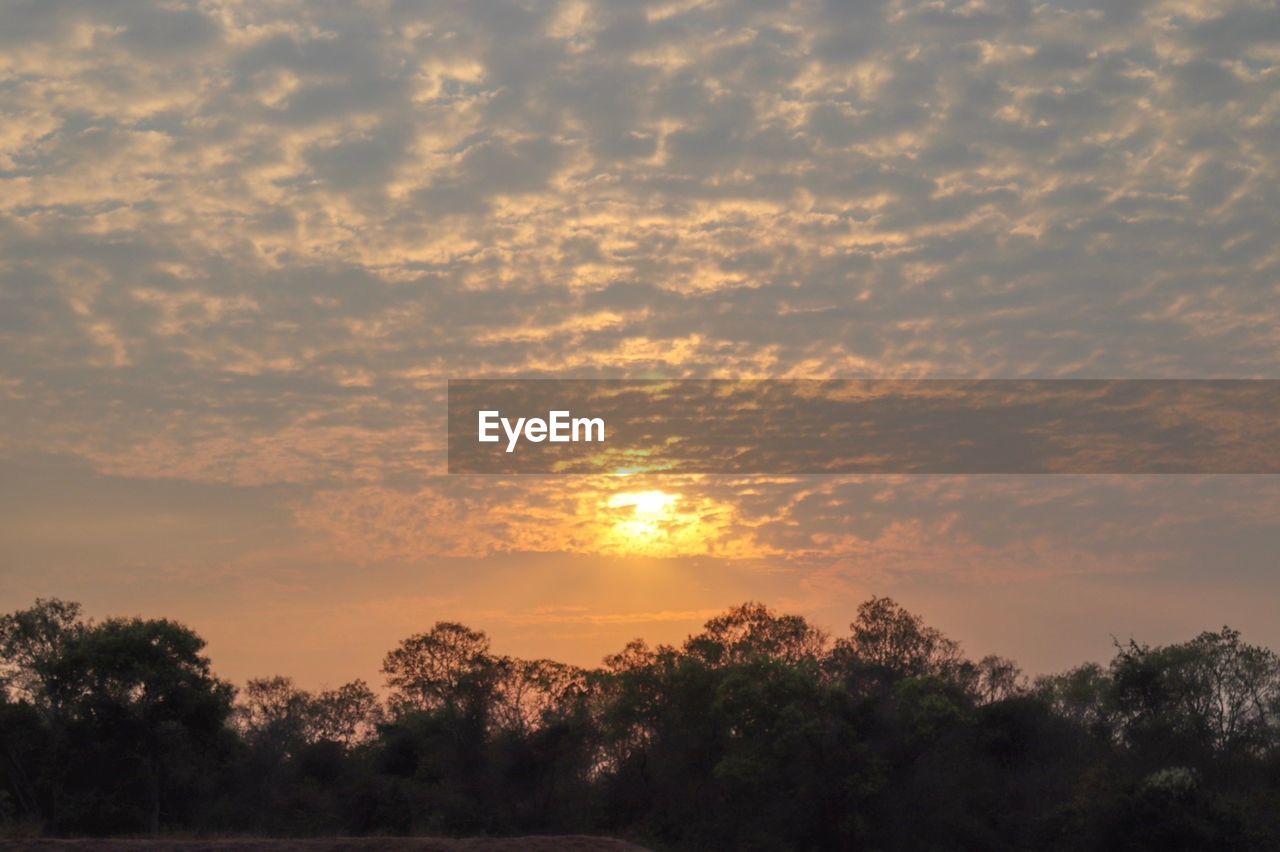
244 245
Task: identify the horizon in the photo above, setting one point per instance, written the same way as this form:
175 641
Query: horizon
382 689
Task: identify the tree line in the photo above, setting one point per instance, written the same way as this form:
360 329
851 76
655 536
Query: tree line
759 732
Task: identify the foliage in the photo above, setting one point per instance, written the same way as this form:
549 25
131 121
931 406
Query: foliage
759 732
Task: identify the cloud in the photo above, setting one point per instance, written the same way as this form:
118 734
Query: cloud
245 244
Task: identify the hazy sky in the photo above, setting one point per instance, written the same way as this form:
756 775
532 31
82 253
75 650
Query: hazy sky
244 244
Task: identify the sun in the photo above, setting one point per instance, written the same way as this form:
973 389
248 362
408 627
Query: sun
663 522
642 516
648 504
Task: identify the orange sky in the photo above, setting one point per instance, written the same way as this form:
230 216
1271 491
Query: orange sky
244 245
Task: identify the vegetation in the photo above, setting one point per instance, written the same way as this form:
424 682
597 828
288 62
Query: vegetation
760 732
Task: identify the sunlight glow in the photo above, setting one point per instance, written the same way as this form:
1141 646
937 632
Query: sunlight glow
646 519
644 503
649 517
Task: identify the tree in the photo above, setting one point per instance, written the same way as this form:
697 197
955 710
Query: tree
31 641
1212 695
275 713
753 733
888 643
445 668
531 693
1081 695
996 678
348 715
753 631
143 694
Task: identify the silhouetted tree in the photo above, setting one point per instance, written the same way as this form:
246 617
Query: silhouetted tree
31 643
1212 696
274 711
887 643
755 733
144 706
752 631
448 667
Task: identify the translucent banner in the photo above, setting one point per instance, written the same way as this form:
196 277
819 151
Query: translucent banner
575 426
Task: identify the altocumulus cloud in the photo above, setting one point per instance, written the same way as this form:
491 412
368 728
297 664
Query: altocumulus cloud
245 243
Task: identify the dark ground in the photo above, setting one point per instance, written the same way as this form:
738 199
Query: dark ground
569 843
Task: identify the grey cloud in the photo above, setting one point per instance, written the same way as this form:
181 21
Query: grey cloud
242 246
368 161
162 33
403 191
